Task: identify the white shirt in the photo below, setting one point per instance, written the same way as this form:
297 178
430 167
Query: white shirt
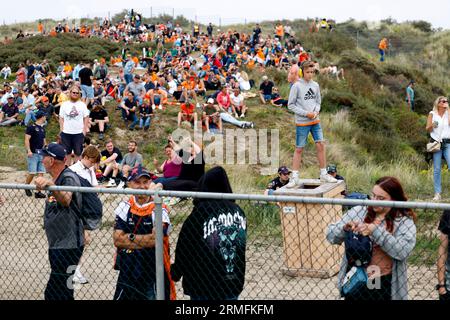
443 129
86 173
172 86
237 100
73 114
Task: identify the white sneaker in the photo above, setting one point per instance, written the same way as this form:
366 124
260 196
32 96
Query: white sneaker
293 182
242 115
437 197
153 107
199 106
327 178
111 183
79 278
121 185
160 107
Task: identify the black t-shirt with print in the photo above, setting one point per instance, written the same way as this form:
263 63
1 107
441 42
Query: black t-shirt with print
37 134
266 88
276 184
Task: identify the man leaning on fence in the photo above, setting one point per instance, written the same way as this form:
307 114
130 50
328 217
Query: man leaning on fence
62 223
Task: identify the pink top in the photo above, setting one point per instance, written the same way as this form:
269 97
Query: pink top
171 169
224 99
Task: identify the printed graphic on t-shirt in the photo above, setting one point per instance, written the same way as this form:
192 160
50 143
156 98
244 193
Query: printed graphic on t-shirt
310 95
73 113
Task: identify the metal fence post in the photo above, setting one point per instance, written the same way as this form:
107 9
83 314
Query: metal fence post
159 254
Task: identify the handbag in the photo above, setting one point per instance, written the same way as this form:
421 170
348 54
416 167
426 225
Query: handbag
354 280
433 147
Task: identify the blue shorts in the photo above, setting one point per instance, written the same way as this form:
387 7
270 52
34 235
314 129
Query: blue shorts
35 164
267 97
302 135
87 92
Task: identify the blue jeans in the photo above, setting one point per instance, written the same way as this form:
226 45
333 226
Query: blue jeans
303 132
30 116
128 78
131 117
382 53
35 164
87 91
437 164
144 122
163 180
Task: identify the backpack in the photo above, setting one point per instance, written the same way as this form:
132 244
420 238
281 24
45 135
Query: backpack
102 71
91 210
358 249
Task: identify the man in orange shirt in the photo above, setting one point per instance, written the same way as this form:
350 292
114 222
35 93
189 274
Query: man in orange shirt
187 113
383 46
40 28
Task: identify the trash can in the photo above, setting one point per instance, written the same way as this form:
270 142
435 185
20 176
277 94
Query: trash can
307 253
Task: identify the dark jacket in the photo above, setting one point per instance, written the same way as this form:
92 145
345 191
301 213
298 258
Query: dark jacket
210 252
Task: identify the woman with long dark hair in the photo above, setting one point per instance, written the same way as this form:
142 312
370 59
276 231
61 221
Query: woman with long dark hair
393 235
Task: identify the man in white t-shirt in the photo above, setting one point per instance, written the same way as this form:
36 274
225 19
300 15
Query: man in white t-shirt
74 124
85 168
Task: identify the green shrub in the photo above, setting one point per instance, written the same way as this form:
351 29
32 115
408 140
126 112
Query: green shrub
336 99
355 60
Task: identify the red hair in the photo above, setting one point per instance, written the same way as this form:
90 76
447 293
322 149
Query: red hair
393 187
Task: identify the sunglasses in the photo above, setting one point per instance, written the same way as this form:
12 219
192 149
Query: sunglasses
444 101
75 92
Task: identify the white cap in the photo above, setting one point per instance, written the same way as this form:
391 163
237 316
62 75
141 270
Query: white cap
265 78
210 100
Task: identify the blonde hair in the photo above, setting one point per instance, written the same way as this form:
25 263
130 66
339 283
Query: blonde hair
436 103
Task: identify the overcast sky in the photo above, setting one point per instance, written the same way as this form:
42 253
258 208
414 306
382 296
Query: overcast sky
230 11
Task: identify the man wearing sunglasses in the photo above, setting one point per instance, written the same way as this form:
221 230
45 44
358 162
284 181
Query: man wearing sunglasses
74 124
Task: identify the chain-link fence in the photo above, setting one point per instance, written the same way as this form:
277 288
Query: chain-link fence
287 255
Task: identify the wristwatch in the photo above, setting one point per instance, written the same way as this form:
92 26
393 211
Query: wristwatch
439 286
131 237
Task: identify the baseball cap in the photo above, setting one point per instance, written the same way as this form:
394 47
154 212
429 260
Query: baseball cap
284 170
15 90
265 78
53 150
44 98
210 100
40 114
137 172
332 168
10 96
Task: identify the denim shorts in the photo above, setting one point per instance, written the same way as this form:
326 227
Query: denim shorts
35 164
303 132
87 92
267 97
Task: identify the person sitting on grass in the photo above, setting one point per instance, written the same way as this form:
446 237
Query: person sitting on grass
187 113
277 101
129 107
171 167
237 103
211 116
98 120
145 114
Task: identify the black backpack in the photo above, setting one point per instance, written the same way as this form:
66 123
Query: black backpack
358 249
91 207
102 71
